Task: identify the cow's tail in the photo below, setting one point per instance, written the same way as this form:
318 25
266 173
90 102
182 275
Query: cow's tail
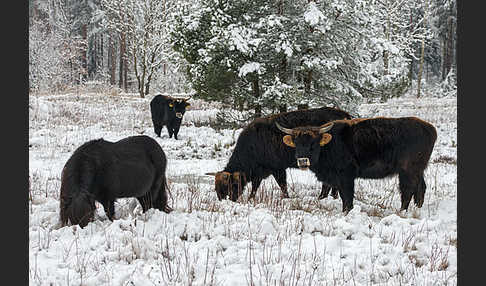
165 191
432 138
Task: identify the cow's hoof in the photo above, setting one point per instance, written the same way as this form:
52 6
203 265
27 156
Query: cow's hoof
419 203
347 209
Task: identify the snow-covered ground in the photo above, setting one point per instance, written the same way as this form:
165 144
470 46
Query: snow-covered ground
296 241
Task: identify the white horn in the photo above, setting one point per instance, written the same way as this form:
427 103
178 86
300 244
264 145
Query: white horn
326 127
283 129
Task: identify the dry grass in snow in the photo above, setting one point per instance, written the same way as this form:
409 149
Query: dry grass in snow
269 241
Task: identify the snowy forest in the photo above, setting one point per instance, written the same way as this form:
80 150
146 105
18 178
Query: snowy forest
95 66
259 55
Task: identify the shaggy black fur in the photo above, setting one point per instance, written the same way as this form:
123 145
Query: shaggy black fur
372 148
167 111
103 171
260 152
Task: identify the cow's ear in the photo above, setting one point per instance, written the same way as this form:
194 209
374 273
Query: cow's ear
287 139
171 103
188 106
326 137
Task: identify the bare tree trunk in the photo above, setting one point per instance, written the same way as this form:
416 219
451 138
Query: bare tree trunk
410 70
428 71
140 78
421 67
151 72
100 52
444 55
256 93
386 54
283 72
450 46
84 61
121 61
35 11
147 86
112 60
125 67
307 83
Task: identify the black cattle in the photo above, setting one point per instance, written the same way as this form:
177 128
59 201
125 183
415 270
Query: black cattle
259 153
342 150
168 111
103 171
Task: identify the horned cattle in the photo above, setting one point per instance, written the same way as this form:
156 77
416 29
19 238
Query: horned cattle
340 151
168 111
260 152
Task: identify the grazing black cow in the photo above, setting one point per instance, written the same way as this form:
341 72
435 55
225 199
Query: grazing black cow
259 153
103 171
342 150
168 111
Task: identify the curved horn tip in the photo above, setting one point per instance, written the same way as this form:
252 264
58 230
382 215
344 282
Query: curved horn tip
283 129
326 127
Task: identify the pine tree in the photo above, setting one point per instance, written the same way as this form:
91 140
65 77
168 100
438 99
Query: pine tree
269 54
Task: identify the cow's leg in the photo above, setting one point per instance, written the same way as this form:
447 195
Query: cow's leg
419 194
145 201
176 130
169 129
325 191
281 178
255 183
109 207
334 192
408 186
157 129
346 191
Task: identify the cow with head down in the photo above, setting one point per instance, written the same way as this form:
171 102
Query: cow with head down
342 150
168 111
260 152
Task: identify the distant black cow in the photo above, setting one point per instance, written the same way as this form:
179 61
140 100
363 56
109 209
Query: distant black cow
103 171
168 111
342 150
259 153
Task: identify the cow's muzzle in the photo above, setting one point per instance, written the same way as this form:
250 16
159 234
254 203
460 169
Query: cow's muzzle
178 115
303 163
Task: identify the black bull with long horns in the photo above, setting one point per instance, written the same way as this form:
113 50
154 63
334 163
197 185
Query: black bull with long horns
342 150
259 153
168 111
